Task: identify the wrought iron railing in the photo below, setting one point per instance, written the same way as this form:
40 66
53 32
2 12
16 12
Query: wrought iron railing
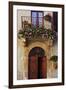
36 31
36 22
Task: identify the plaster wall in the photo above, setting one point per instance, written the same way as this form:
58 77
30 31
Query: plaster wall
23 53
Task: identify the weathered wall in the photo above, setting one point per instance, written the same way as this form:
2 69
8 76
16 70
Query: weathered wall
23 53
22 13
28 14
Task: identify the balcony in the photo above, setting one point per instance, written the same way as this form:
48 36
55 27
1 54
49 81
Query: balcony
35 30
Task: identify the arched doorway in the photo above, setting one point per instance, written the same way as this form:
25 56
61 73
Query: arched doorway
37 63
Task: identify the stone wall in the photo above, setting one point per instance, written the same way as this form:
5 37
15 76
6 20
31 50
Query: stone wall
23 53
23 13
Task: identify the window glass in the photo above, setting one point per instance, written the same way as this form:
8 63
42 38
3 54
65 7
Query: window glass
37 18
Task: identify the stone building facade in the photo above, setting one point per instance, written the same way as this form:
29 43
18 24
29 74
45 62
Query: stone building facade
23 51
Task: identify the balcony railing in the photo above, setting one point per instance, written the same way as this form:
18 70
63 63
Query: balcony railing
36 31
36 22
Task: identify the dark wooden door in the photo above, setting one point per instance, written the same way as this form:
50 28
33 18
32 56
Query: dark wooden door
37 67
43 67
33 67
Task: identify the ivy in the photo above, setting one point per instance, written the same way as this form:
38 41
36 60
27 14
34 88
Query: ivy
54 58
34 32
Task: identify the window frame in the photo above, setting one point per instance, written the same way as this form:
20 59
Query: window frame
37 21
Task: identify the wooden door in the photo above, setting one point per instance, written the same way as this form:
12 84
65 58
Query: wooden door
33 67
43 67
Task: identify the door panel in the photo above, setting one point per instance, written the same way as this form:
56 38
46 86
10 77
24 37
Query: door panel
44 67
33 68
37 67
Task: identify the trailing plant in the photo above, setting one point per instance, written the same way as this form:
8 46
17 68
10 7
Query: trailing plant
34 32
54 58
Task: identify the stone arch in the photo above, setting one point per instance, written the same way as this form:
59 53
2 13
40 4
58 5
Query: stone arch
32 45
38 44
26 53
37 51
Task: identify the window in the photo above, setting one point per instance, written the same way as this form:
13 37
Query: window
37 18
